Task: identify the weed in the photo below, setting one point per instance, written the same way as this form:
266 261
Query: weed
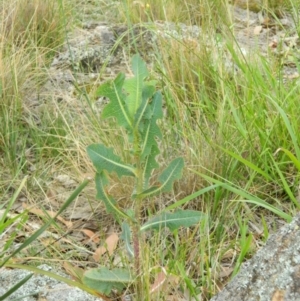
135 106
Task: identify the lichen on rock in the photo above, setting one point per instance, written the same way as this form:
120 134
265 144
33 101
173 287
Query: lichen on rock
272 274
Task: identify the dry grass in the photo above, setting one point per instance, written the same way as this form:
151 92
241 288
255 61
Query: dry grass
225 124
30 33
32 23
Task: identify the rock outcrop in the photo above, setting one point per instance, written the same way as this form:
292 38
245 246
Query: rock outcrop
273 274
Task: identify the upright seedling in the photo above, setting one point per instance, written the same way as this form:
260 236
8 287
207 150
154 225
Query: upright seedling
136 106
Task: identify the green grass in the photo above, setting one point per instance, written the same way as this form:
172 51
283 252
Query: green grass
238 132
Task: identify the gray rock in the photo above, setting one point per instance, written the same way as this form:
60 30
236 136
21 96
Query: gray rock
273 274
40 287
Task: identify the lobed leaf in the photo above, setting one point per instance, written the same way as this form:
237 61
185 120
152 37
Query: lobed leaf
104 158
109 201
150 128
104 280
127 95
166 179
117 106
146 122
143 112
134 85
180 218
150 164
170 174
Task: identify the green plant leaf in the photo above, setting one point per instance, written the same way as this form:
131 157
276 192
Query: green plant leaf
104 158
126 96
150 164
126 236
110 204
150 129
116 107
104 280
144 112
170 174
179 218
166 179
134 86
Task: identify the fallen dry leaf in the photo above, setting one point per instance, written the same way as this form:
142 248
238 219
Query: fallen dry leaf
111 242
92 235
46 213
110 245
158 282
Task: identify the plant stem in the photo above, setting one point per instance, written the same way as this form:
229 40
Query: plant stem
137 263
137 240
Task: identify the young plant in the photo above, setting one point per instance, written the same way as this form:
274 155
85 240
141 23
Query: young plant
136 106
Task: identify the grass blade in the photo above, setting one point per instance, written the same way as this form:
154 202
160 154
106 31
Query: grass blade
15 287
249 198
35 235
